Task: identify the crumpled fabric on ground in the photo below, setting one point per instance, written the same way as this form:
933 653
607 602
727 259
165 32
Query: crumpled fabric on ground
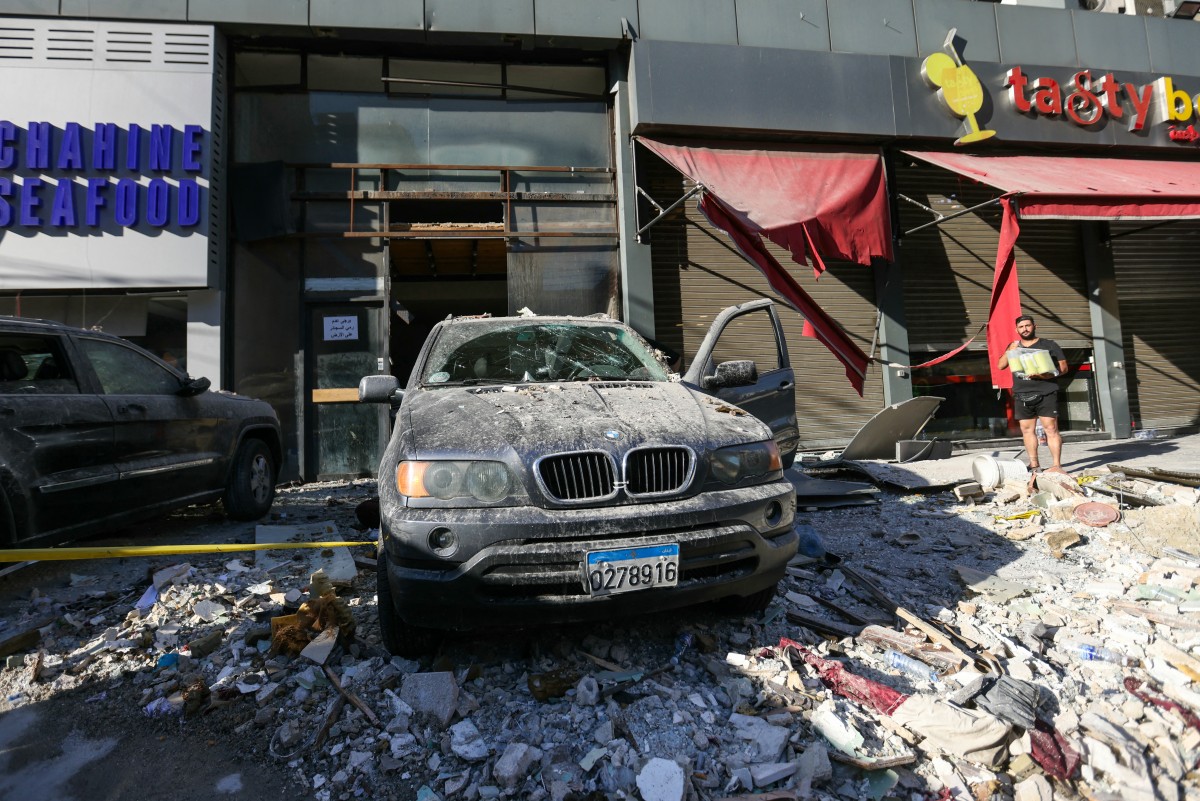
871 694
1011 700
969 733
1133 685
1050 750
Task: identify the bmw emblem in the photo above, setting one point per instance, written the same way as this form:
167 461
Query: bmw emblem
612 434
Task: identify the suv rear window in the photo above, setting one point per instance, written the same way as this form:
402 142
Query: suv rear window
34 365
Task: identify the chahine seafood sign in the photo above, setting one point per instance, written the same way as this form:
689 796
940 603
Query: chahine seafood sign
73 177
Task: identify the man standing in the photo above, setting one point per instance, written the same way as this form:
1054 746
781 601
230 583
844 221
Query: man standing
1035 395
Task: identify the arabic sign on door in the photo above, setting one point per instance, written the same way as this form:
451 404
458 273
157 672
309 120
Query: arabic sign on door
341 328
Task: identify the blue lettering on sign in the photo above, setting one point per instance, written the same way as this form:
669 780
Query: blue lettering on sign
108 175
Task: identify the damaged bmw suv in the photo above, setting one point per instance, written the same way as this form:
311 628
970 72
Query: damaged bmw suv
552 469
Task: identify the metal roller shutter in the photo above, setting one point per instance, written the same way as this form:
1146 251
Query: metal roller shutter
948 268
1158 287
697 272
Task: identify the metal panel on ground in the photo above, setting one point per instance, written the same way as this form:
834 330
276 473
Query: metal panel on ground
697 272
1158 281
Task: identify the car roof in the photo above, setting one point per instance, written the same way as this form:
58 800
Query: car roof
10 323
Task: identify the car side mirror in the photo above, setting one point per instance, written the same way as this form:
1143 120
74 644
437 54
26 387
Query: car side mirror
379 389
740 373
194 386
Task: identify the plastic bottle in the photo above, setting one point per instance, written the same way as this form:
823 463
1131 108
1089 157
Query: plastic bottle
810 544
1041 433
1157 592
909 666
1096 653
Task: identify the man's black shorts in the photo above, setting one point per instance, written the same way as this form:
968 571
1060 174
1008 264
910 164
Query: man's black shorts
1045 406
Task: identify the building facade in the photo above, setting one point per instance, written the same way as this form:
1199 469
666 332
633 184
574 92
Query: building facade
286 195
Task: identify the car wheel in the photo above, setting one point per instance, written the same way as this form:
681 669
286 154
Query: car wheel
750 604
251 482
398 637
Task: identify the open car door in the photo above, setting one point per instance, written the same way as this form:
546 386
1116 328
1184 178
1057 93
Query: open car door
743 360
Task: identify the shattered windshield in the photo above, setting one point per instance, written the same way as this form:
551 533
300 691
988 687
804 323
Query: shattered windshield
530 351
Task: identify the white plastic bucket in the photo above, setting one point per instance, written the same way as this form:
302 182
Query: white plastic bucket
991 472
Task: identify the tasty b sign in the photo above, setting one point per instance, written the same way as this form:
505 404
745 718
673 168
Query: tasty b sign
1089 98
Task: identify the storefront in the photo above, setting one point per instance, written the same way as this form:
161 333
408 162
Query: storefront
373 195
1098 167
288 195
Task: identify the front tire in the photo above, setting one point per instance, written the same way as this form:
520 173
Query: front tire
251 486
398 637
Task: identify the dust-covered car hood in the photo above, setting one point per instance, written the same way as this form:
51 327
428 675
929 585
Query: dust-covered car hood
537 419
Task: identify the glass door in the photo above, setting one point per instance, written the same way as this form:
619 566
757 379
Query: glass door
344 437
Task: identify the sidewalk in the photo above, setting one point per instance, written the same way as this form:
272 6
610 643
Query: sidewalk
1179 453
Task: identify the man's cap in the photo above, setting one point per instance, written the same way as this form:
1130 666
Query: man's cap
1023 317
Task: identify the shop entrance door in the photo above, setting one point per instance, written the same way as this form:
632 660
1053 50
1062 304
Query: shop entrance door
342 437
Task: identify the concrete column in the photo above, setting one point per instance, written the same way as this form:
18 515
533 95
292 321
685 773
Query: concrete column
637 280
204 318
889 297
893 331
1108 348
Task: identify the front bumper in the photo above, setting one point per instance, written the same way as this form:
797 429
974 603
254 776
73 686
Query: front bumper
522 565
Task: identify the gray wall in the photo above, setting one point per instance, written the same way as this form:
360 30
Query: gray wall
1037 33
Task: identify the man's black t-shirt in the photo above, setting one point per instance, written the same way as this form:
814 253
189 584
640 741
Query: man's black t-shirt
1039 384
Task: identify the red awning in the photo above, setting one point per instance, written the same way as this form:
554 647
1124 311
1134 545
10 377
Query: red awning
809 201
1070 188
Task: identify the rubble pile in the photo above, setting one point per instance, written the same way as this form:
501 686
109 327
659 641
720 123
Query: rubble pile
969 643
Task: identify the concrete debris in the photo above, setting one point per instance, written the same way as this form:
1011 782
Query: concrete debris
1033 624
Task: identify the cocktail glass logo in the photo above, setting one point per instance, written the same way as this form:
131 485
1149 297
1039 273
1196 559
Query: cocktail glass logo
958 89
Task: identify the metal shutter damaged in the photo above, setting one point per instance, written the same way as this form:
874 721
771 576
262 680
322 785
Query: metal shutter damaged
1158 281
697 272
948 268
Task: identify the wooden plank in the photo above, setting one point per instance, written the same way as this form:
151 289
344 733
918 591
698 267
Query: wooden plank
338 395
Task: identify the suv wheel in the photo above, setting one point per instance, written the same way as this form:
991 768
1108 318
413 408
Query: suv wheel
398 637
251 486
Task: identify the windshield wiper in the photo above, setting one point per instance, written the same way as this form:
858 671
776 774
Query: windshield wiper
468 382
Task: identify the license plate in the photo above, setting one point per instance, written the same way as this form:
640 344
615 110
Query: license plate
629 569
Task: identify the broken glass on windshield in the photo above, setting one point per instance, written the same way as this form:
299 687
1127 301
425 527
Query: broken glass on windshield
485 351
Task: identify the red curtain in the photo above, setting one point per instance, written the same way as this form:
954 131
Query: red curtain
1006 295
814 202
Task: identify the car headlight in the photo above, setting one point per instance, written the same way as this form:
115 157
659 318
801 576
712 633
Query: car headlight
739 462
486 482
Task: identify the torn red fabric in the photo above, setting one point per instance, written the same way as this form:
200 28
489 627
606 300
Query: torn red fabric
1051 750
1073 188
816 203
871 694
816 320
1134 686
1006 295
831 201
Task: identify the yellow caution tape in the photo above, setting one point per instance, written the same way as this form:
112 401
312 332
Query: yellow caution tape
1022 515
62 554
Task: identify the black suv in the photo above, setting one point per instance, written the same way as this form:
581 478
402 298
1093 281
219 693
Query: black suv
96 433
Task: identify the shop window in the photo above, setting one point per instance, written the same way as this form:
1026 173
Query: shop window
583 80
345 74
451 77
267 69
972 409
